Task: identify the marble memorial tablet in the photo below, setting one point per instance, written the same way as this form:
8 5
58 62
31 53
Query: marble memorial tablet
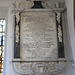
38 36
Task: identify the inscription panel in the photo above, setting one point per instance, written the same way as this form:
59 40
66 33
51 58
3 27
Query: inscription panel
38 37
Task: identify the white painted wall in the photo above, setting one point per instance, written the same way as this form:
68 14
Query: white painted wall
70 19
68 30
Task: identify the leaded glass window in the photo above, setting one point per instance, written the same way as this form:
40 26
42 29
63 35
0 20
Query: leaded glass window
2 41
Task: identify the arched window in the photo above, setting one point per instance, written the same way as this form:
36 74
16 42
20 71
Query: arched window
2 41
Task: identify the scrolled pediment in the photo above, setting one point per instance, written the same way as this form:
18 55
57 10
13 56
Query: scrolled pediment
29 4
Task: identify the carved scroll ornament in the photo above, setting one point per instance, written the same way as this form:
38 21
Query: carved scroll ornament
40 68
